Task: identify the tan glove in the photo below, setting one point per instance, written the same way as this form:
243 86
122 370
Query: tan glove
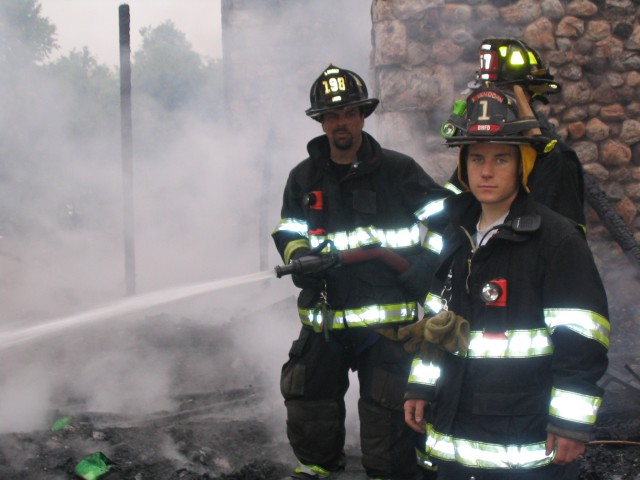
446 329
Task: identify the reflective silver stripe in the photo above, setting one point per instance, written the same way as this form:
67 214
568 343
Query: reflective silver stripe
472 453
433 242
585 322
362 317
574 406
424 373
433 303
363 236
293 246
291 225
453 188
429 209
514 344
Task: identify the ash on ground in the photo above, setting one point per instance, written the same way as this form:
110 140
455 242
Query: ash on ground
235 429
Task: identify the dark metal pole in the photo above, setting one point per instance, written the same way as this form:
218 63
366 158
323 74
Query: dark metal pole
127 149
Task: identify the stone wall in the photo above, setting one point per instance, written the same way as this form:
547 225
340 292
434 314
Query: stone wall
425 54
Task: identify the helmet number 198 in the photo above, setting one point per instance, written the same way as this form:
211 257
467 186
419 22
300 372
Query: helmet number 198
334 85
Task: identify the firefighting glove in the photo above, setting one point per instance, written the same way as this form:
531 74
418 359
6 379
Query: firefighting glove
450 332
309 281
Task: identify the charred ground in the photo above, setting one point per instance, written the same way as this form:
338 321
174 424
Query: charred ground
235 429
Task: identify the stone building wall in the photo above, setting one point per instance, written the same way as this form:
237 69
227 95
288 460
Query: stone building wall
425 53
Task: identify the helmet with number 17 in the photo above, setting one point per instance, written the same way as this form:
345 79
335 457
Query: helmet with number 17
507 61
338 88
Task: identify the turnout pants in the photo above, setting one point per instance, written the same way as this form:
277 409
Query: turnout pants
314 382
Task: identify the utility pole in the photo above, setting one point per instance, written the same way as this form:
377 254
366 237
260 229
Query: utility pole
127 149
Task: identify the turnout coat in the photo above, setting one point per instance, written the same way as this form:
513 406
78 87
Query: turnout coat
536 351
381 200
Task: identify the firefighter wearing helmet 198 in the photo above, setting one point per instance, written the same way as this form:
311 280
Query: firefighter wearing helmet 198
557 179
360 197
522 400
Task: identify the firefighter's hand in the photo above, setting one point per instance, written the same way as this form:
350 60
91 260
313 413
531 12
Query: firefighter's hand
306 280
567 449
414 414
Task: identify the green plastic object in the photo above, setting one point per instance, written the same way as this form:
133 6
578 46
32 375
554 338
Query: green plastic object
60 423
448 129
93 466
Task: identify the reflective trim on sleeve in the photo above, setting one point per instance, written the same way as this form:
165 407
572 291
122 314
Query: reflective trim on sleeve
433 242
453 188
363 236
585 322
293 246
361 317
574 407
429 209
471 453
292 225
424 373
513 344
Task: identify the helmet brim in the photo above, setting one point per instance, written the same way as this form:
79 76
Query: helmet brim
368 105
510 139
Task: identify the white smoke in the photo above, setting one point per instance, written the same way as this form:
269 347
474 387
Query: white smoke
200 195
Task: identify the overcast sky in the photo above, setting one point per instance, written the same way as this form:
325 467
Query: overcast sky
94 24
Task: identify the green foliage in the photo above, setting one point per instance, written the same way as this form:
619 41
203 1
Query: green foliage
167 69
91 87
25 36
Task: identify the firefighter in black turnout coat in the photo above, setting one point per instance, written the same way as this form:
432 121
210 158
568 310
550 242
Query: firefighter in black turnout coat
517 399
354 194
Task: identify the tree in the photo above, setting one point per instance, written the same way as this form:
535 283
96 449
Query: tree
25 36
168 69
91 90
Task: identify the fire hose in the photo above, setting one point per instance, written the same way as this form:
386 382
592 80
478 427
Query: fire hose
611 220
310 264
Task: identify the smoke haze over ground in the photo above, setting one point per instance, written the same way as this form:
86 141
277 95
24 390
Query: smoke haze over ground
198 195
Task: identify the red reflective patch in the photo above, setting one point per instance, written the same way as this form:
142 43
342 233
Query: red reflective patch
485 128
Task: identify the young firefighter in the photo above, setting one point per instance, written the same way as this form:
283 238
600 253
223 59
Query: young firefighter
364 198
517 397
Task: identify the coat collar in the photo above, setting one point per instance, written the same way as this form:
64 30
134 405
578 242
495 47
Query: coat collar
464 211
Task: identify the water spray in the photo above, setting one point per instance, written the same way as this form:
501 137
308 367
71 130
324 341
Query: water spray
125 306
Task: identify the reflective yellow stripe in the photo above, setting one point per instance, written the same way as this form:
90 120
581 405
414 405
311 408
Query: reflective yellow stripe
424 461
453 188
293 246
292 225
514 344
472 453
429 209
433 242
362 317
424 373
314 470
363 236
574 406
433 303
585 322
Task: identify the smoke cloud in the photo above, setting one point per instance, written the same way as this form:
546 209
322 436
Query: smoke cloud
200 197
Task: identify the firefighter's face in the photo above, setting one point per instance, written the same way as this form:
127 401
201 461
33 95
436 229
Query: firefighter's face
492 169
343 127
